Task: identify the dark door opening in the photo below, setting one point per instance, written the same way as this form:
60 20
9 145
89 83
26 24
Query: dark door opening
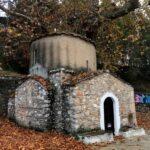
109 115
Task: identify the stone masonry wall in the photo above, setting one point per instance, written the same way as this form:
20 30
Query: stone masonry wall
69 108
84 101
11 108
58 103
32 106
8 85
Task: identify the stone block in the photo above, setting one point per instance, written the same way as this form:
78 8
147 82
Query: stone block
96 139
133 132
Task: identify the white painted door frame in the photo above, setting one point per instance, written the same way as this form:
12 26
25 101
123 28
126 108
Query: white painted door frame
116 111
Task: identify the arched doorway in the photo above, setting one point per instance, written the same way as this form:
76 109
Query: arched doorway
109 115
114 104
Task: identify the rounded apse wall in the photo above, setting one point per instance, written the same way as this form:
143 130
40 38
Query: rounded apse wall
62 50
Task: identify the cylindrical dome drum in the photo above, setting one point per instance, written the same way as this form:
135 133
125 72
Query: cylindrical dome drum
63 50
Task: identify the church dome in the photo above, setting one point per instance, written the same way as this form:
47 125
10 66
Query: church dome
63 50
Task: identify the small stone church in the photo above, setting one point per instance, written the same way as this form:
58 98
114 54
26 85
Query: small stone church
66 92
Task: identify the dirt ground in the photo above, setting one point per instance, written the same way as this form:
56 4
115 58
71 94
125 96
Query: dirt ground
136 143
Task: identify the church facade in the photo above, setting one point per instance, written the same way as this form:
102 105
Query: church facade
66 92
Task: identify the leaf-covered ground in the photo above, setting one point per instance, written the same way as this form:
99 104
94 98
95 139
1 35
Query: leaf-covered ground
143 120
13 137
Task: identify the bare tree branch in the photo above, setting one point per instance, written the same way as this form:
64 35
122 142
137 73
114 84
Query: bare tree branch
7 11
128 7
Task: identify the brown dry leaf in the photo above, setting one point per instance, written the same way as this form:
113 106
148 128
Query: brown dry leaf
13 137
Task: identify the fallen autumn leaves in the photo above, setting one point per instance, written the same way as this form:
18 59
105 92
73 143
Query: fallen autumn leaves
143 120
13 137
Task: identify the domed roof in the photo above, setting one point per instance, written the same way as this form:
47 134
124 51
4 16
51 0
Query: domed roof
67 34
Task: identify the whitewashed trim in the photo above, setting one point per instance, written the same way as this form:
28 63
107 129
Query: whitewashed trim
116 112
37 69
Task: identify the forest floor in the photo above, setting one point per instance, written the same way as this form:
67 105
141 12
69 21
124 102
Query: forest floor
13 137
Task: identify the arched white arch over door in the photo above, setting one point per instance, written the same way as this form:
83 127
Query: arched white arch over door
116 112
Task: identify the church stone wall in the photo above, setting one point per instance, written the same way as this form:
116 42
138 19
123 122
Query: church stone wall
84 102
8 84
11 108
32 106
60 106
69 107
